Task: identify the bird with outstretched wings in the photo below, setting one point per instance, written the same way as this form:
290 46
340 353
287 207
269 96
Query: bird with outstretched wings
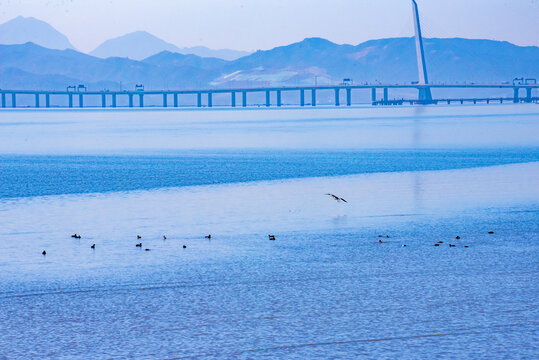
335 197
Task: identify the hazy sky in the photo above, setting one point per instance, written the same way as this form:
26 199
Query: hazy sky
263 24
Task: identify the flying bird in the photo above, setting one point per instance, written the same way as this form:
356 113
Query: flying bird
335 197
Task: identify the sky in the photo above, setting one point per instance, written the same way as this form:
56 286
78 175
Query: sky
263 24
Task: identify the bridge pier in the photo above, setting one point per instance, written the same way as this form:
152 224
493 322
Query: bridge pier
337 93
141 100
233 99
70 101
302 97
373 95
13 100
528 95
244 98
165 100
313 97
103 100
81 100
210 99
279 98
47 100
175 100
515 95
37 99
268 98
113 100
348 97
386 97
3 100
130 100
199 99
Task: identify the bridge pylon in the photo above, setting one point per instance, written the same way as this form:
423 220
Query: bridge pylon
425 95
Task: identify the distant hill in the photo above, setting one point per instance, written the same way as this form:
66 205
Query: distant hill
225 54
386 60
21 30
304 62
137 46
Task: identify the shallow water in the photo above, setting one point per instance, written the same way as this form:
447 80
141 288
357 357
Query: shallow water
325 288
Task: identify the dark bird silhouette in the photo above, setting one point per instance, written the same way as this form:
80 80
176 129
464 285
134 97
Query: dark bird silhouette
139 245
466 246
271 237
44 252
335 197
185 246
208 236
403 245
93 246
147 249
491 232
436 244
380 241
164 237
139 237
451 245
457 237
76 236
440 242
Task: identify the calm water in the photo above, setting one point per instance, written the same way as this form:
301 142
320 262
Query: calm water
325 288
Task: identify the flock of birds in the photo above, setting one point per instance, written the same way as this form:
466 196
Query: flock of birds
272 237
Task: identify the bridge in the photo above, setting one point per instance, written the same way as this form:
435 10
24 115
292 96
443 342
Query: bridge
379 95
110 98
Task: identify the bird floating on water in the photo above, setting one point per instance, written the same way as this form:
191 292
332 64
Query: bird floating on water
185 246
164 237
139 245
335 197
43 252
76 236
208 236
139 237
457 237
491 232
93 246
271 237
147 249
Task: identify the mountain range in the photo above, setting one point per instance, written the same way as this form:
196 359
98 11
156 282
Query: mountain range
308 62
137 45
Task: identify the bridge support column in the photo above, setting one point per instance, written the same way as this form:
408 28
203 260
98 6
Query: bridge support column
47 100
515 95
244 98
268 98
373 95
302 97
141 100
113 100
210 99
13 100
348 97
81 100
279 103
37 100
199 99
233 99
130 100
313 97
165 100
176 99
103 100
3 100
337 99
528 95
70 96
386 98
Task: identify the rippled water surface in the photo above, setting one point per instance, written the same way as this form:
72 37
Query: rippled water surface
325 288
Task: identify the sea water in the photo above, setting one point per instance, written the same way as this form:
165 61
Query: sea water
325 288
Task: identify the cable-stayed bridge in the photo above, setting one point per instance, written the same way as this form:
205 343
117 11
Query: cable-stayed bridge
524 90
